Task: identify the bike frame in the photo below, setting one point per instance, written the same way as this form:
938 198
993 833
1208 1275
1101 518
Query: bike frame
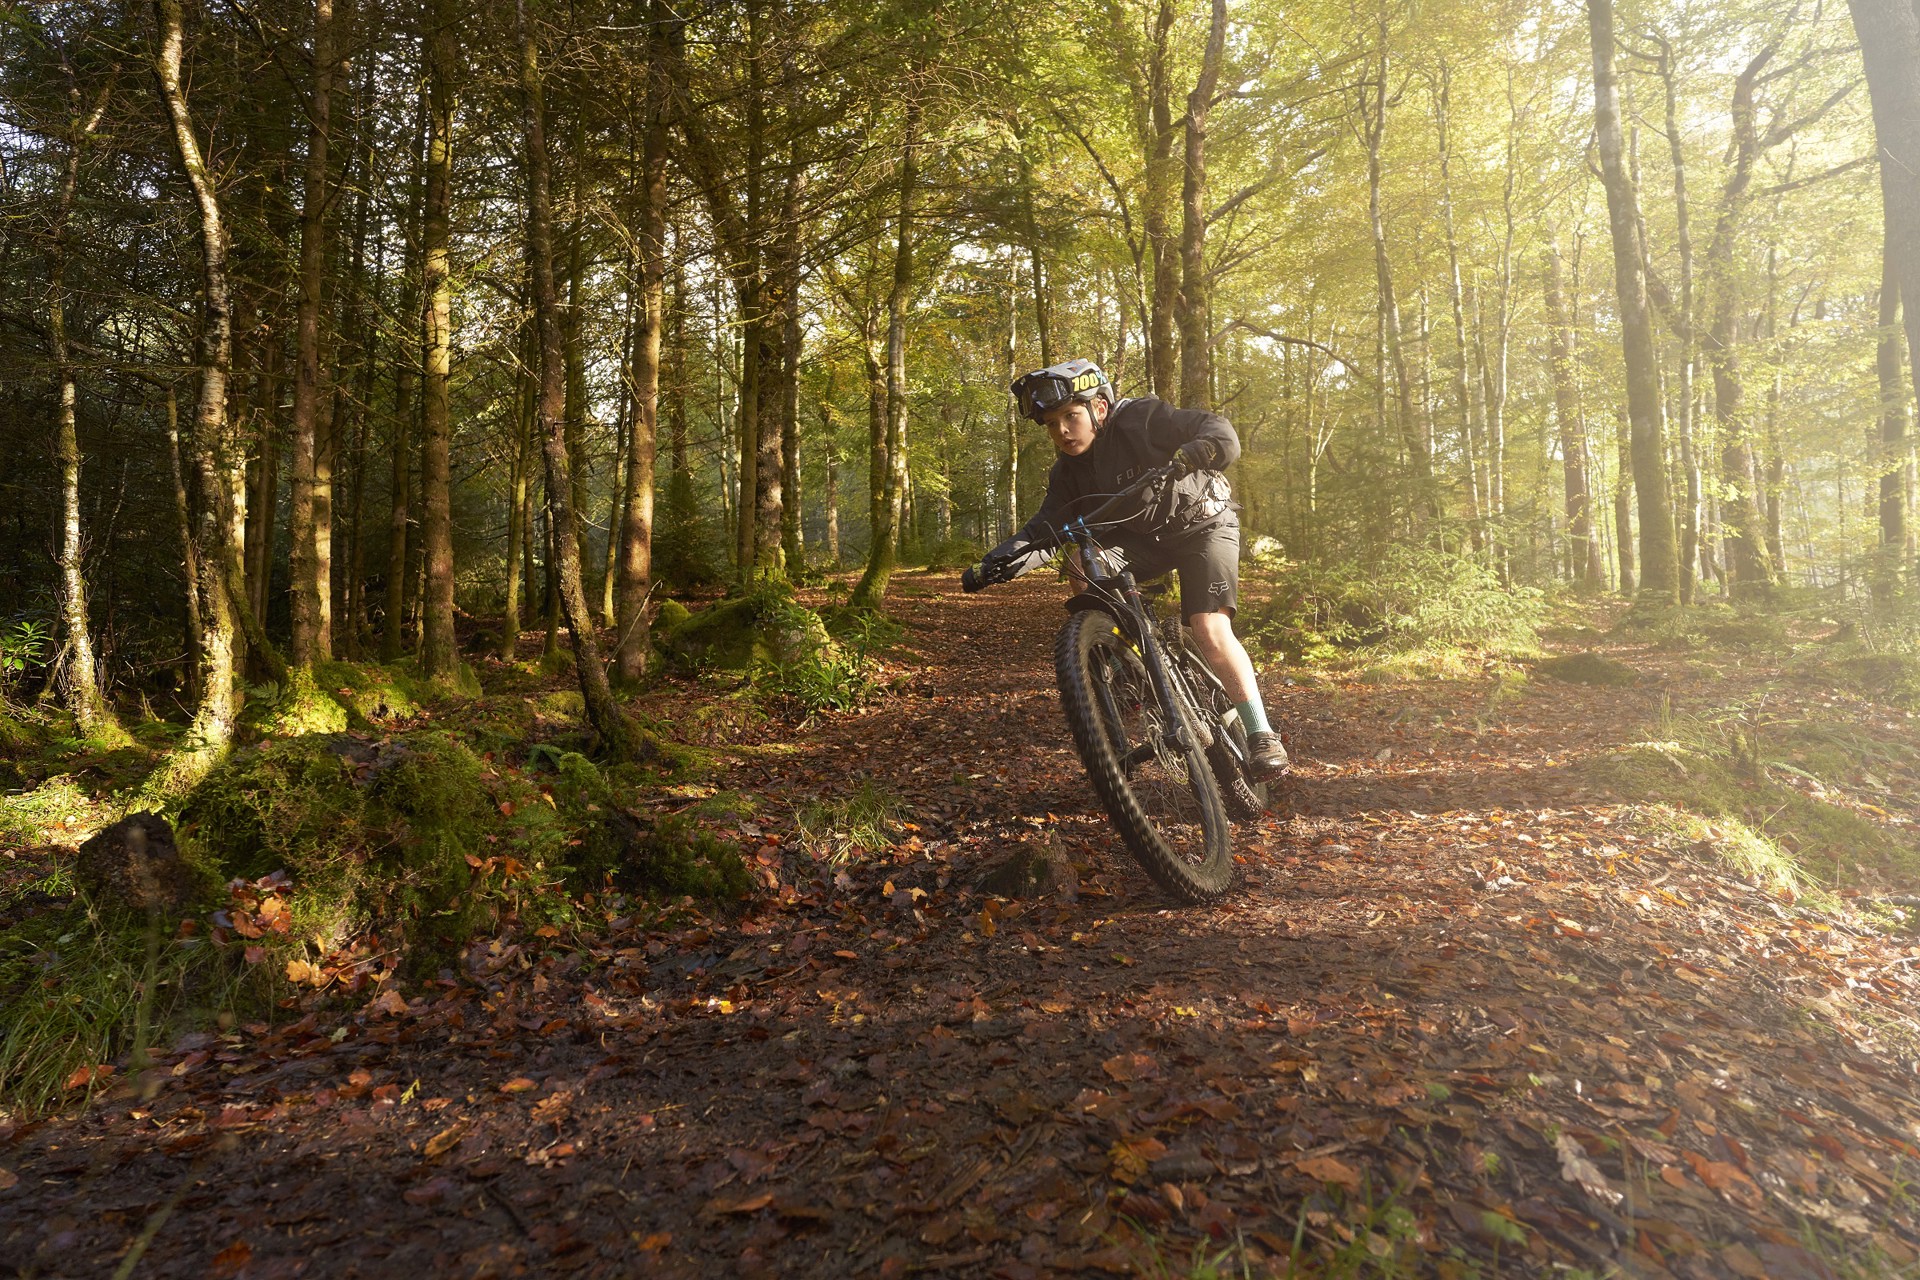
1120 594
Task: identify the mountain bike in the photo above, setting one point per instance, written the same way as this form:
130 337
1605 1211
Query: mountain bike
1157 731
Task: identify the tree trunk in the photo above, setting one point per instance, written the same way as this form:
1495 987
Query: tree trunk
1589 573
1463 396
1154 130
636 534
439 655
882 555
1374 116
1658 561
618 735
1889 32
1740 500
1623 503
1893 437
80 675
190 554
211 731
1010 469
393 635
312 591
519 535
1196 336
1688 561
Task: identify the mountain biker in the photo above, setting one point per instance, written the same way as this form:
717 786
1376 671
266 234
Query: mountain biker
1106 443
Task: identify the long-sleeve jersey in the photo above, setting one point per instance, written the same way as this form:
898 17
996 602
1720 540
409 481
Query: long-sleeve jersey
1139 435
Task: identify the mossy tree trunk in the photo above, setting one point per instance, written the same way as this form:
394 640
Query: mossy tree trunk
312 590
80 676
882 554
211 732
636 532
438 653
618 734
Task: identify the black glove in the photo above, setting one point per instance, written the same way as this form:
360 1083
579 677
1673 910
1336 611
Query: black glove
976 576
1194 455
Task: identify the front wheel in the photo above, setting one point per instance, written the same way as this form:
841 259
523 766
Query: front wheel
1161 797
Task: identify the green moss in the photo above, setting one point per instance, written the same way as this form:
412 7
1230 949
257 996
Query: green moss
680 857
371 831
670 617
558 662
299 707
764 627
566 705
373 695
56 811
1589 668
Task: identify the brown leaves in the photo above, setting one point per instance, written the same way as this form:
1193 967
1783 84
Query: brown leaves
1128 1067
1330 1170
448 1138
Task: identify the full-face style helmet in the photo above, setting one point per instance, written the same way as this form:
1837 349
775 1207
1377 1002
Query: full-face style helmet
1047 389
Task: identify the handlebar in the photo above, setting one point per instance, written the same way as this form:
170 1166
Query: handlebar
1070 531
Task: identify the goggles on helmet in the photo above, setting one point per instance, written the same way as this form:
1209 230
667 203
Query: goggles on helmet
1044 390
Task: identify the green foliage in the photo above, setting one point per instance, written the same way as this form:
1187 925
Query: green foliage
372 695
26 646
949 556
1589 668
300 707
679 857
763 626
1408 599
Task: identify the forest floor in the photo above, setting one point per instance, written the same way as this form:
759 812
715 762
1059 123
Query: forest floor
1471 1014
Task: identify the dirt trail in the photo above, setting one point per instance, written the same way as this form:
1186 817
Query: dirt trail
1459 1021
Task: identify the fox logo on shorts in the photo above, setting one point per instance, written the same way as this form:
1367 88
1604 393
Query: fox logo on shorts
1220 587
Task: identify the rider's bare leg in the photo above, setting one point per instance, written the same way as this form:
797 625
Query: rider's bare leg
1224 654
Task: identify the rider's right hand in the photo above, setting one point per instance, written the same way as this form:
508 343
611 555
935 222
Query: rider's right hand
975 577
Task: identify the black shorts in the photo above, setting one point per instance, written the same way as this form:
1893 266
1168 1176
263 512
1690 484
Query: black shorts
1207 560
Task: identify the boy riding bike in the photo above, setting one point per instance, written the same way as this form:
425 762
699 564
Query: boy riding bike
1105 443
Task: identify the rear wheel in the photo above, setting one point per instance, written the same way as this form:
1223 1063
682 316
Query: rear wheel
1161 797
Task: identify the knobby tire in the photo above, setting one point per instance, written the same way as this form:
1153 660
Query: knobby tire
1102 682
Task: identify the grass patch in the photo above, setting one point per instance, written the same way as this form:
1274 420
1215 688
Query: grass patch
1779 801
58 811
841 830
86 986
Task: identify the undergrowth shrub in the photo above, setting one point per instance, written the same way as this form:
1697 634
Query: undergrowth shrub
1409 598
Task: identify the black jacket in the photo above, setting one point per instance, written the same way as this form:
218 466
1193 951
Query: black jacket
1139 435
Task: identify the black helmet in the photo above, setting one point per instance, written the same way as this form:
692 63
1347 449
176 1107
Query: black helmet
1046 389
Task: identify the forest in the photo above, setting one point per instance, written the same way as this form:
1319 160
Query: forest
490 487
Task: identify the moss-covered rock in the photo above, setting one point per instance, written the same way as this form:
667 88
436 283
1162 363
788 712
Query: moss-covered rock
372 695
1589 668
298 707
370 830
670 617
765 627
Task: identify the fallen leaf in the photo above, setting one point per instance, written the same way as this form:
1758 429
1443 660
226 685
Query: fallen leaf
519 1084
84 1076
447 1139
389 1002
1327 1169
747 1204
8 1179
1582 1172
1130 1066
